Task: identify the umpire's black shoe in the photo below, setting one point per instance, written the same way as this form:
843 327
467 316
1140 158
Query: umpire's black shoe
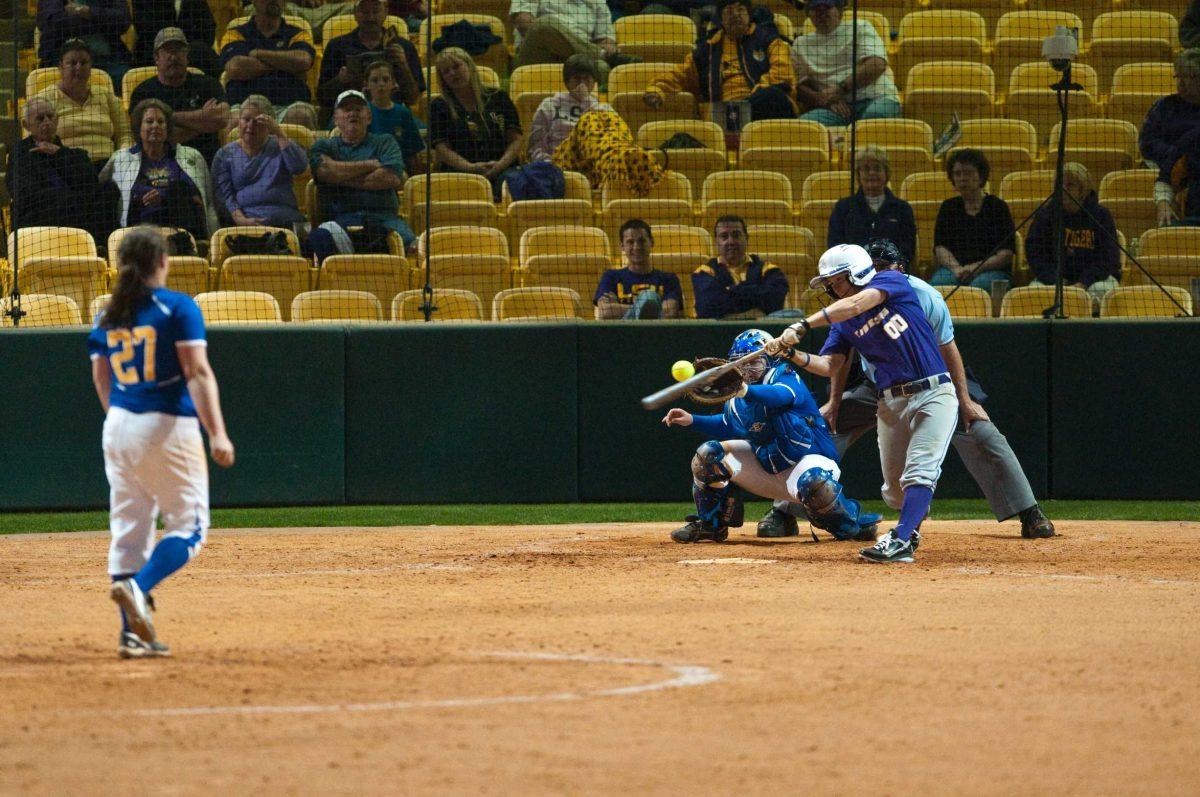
697 530
778 523
1035 524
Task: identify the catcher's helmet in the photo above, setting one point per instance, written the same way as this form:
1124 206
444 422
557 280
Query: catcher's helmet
882 249
849 259
749 341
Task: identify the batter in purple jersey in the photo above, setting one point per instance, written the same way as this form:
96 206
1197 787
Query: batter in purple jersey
879 316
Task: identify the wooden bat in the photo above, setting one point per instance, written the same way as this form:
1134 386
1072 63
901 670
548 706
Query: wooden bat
669 394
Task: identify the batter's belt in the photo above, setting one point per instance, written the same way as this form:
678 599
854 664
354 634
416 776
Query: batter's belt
916 386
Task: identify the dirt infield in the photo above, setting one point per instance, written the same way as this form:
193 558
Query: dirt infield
604 658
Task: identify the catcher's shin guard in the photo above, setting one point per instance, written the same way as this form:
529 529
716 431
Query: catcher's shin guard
718 507
828 507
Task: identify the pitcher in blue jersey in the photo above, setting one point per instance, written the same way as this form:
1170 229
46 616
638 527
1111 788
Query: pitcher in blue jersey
151 373
878 315
771 440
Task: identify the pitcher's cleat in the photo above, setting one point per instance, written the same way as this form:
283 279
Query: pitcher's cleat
888 549
129 596
133 647
697 530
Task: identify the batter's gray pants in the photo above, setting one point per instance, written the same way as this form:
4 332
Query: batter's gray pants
984 451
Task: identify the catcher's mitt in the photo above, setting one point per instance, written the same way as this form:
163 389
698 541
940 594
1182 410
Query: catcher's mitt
724 388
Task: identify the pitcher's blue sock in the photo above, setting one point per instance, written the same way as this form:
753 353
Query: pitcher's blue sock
916 503
169 555
120 611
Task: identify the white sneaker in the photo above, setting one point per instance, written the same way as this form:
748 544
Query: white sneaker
129 596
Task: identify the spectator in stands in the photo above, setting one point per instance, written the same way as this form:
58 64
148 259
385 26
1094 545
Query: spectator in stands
735 284
874 211
1093 260
193 17
161 183
637 291
51 184
551 31
472 129
974 237
197 101
89 117
346 57
741 59
316 12
558 114
1180 181
1174 115
1189 26
826 73
252 176
411 11
358 172
99 23
303 114
393 118
267 55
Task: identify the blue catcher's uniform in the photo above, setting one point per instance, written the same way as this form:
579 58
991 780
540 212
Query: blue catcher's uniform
774 442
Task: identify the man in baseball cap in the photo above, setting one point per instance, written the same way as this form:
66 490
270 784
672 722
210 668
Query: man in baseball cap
198 101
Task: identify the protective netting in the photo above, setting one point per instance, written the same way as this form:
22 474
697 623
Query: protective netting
598 160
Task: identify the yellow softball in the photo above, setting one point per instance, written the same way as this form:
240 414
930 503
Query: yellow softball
682 370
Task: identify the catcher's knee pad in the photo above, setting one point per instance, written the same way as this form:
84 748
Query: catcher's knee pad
827 506
706 464
718 507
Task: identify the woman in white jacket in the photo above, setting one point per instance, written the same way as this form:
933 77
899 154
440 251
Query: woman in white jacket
161 183
558 114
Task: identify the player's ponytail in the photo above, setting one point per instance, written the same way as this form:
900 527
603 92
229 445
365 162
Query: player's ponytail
141 250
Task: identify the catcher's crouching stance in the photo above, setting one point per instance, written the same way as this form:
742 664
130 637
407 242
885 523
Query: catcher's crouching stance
771 440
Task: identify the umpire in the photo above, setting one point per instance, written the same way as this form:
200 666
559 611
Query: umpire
983 449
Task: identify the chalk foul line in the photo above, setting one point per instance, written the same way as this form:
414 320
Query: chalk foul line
685 676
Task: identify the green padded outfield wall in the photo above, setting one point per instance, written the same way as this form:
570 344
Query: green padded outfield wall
542 413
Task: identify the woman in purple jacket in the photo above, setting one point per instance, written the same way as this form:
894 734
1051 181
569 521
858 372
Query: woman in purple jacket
253 175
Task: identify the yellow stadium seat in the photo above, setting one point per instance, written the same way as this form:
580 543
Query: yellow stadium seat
1024 191
1147 301
461 240
1170 254
281 276
97 306
1031 300
793 147
536 304
1031 98
1019 36
806 299
41 242
529 85
496 56
567 257
381 275
990 10
628 82
938 36
930 186
666 38
878 21
43 78
1102 145
456 199
218 248
448 305
467 258
939 89
1135 87
822 190
1086 10
78 277
1129 196
965 301
681 249
759 197
787 246
576 187
332 307
695 164
1126 37
188 274
908 142
654 212
673 186
42 310
1010 145
239 307
529 213
345 23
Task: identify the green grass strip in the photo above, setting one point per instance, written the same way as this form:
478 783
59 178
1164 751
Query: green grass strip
550 514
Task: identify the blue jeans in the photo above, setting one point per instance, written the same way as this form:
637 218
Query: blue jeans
983 280
874 108
646 305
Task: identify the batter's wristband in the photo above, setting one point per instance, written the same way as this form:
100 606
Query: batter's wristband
825 315
793 354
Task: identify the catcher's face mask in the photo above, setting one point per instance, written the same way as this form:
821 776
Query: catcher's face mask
752 371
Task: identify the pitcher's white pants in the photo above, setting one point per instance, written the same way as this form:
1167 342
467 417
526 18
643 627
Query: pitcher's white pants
154 463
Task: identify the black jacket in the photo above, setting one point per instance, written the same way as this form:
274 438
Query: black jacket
50 190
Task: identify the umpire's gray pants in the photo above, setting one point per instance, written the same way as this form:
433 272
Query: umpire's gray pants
984 451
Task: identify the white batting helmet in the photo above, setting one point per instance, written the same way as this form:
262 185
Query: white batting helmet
850 259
